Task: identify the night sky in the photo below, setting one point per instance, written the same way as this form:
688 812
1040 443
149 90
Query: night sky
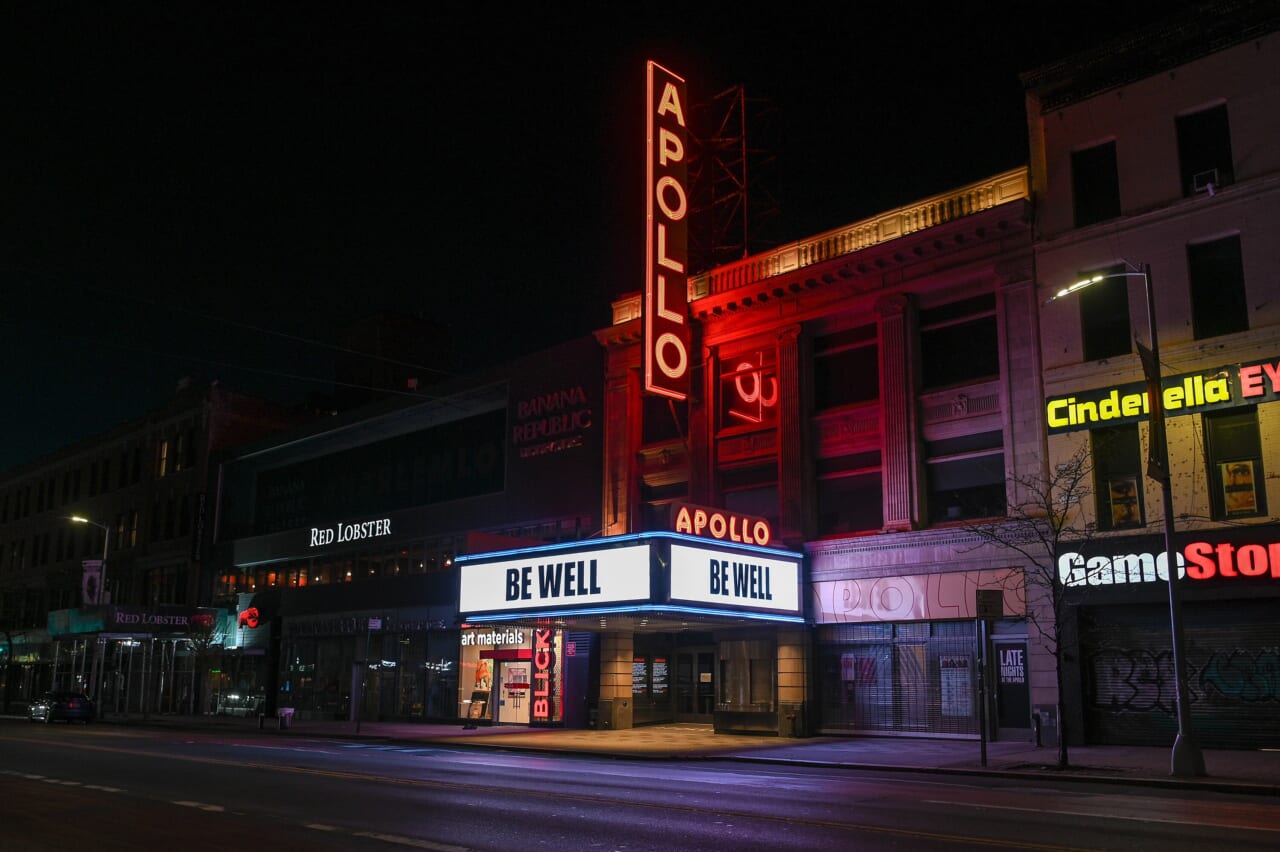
214 190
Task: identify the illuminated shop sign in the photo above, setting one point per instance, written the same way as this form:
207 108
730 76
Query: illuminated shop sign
543 661
551 422
735 578
1188 393
750 385
493 638
1198 560
555 578
666 296
720 524
350 532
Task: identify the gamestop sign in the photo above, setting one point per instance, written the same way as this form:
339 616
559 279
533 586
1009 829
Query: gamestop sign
666 295
1201 559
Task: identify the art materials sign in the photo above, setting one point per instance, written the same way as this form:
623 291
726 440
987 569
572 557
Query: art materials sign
1189 393
666 296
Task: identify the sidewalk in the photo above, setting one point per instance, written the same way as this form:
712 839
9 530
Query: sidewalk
1251 772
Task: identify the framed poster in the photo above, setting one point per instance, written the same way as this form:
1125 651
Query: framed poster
1123 493
1239 490
957 686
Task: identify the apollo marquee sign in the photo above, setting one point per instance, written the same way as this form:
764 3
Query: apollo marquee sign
648 571
1228 386
755 579
549 578
665 311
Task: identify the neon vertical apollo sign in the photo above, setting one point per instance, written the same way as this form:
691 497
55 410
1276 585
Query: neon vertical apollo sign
666 297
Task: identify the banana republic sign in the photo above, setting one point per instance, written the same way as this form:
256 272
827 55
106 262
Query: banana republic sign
1189 393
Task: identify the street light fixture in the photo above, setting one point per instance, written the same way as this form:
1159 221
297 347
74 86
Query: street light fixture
1187 759
106 543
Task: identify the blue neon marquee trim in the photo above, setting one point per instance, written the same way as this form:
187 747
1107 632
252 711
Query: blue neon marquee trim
632 610
630 538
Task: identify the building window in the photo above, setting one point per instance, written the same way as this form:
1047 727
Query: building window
662 419
959 343
850 495
1104 315
751 491
846 368
1218 304
1234 453
965 477
133 528
1204 150
1117 474
1095 184
749 389
162 457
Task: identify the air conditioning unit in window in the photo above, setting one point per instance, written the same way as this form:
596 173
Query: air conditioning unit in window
1205 181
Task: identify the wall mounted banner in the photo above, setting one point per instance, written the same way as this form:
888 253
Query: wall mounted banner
918 597
1229 386
666 294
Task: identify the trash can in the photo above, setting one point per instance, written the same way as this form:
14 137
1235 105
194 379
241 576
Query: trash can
285 716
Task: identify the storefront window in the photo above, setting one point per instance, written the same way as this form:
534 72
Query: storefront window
511 675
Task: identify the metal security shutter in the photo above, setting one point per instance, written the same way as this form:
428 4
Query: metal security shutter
1233 678
915 677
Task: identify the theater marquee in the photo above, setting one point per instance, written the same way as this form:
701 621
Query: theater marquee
645 574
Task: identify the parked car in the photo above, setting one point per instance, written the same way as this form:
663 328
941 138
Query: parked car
67 706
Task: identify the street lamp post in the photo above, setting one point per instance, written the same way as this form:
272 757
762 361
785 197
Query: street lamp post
106 544
1186 759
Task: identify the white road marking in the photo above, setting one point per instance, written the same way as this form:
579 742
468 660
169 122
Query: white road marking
410 841
202 806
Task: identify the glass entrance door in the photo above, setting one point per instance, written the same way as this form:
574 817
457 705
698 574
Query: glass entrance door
695 685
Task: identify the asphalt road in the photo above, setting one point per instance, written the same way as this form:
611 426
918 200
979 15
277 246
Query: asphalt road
97 787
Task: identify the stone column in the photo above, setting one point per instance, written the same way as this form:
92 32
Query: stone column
899 462
793 458
616 653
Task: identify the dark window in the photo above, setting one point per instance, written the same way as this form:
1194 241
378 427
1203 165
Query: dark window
965 477
1234 451
662 419
850 495
846 368
1218 304
1104 316
1117 472
1095 184
959 343
1204 150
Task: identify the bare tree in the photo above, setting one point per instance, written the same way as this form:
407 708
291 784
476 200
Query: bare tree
1045 510
204 641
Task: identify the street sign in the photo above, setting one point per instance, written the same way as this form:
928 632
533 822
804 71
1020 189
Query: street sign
375 624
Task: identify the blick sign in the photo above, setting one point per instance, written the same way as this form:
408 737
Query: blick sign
666 297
